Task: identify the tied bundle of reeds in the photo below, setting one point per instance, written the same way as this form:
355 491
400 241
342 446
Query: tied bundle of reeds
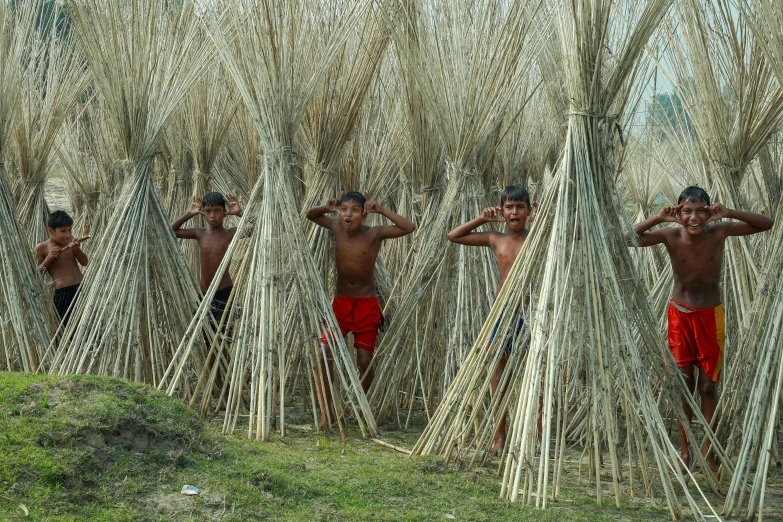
278 308
89 153
208 112
465 65
138 296
27 316
54 78
749 409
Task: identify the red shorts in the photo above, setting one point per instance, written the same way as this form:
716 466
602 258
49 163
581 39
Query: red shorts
360 315
697 337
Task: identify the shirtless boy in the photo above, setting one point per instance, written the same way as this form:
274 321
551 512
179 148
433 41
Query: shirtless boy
213 242
355 303
696 320
61 256
514 210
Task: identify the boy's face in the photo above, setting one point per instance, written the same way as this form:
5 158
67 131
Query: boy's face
694 216
351 215
61 235
515 213
214 214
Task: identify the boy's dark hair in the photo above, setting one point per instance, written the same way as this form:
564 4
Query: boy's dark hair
213 199
693 194
59 219
357 197
515 193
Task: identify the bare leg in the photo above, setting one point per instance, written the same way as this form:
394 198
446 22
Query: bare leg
709 401
324 389
500 436
685 452
366 370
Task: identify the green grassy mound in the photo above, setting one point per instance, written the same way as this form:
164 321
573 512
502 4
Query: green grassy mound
89 448
76 444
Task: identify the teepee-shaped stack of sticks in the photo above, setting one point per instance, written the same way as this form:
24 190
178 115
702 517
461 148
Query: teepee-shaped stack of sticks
465 66
278 308
54 77
25 324
138 296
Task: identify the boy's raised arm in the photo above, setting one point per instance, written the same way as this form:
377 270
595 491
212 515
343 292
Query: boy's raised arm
193 211
749 222
401 227
318 214
464 235
233 206
667 214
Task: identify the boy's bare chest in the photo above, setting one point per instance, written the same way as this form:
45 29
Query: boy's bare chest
359 246
66 260
212 246
700 261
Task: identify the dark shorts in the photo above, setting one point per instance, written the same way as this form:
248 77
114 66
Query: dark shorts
220 303
63 299
510 338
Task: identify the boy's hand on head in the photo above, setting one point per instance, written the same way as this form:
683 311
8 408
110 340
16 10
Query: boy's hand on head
717 211
533 212
493 214
195 206
372 207
232 202
670 214
332 205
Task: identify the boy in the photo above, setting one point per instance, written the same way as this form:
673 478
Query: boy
514 210
61 256
355 303
213 242
696 320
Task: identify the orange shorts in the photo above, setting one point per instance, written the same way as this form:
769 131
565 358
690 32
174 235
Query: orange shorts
697 337
360 315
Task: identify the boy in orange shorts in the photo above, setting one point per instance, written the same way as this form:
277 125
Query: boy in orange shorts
696 320
356 303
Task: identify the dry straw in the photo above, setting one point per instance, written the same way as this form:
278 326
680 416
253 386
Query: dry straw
278 307
465 65
53 79
138 296
26 308
754 391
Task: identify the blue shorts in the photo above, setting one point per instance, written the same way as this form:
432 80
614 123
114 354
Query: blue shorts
510 338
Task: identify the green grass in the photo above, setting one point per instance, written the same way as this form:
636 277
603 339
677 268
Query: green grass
89 448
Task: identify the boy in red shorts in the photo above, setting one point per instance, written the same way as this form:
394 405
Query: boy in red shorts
356 249
696 321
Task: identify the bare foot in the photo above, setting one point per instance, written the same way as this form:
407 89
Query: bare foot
323 423
685 456
500 442
713 466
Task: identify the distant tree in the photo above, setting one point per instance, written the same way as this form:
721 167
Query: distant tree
666 114
51 12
